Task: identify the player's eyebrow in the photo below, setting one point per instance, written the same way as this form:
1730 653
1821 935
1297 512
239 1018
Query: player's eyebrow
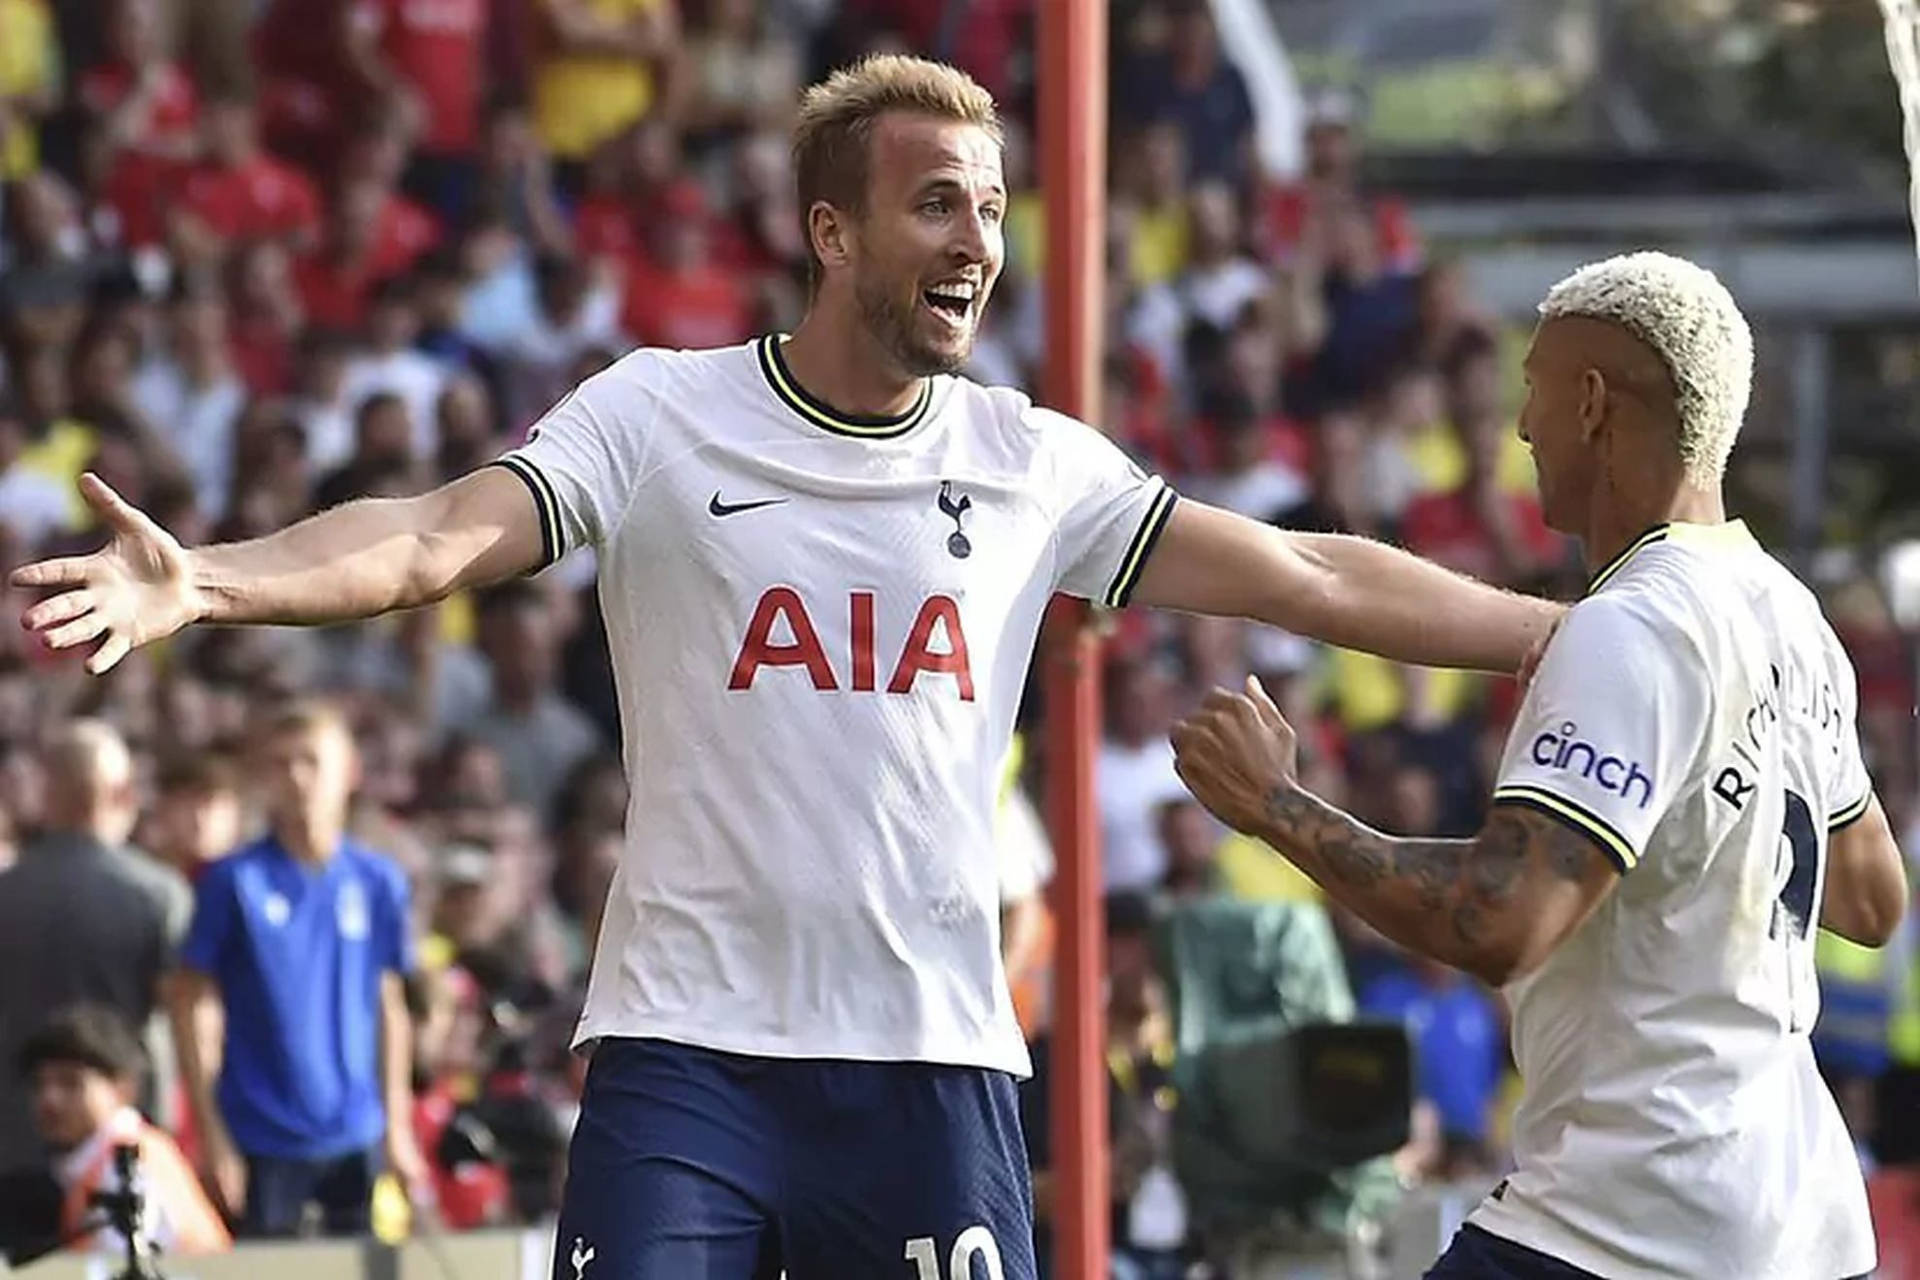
945 184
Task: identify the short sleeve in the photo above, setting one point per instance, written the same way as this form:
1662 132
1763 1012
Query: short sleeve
1611 728
213 913
1110 511
582 460
397 952
1851 793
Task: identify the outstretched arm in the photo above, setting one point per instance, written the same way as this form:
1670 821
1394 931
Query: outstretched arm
354 561
1348 591
1495 906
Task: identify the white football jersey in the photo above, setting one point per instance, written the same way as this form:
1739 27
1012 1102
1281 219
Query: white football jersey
820 630
1695 716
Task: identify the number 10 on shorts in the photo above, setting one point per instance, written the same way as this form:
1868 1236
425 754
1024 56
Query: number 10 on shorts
976 1241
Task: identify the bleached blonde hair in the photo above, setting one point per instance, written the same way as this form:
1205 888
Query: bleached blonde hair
832 133
1683 313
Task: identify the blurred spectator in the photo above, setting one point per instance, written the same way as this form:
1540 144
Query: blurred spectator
1191 84
501 298
83 918
1134 772
1149 1229
239 192
599 71
1296 220
465 422
677 294
515 175
146 108
1459 1054
428 59
742 77
382 461
195 394
83 1070
539 736
49 268
1371 314
334 279
389 363
574 317
1192 841
1220 282
1158 207
299 945
266 321
196 815
32 504
1249 479
29 83
321 403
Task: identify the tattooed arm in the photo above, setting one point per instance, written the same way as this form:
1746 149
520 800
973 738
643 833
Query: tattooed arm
1496 905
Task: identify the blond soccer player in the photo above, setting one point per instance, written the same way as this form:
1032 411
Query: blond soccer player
1681 802
823 560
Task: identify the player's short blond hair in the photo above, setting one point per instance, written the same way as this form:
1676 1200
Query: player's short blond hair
1683 313
832 135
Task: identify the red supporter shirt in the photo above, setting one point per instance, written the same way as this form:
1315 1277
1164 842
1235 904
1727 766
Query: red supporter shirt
404 233
1282 221
176 108
1444 527
439 47
137 184
263 353
262 199
334 295
700 307
604 228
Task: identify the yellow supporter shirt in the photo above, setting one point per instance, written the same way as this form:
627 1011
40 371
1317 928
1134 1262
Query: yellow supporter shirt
1159 244
61 455
582 100
1252 871
28 64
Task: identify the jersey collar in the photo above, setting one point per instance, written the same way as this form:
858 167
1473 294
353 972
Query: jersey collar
773 366
1707 537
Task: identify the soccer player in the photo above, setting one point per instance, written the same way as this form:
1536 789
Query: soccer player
1681 802
823 562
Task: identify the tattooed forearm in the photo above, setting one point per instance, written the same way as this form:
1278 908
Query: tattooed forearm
1460 901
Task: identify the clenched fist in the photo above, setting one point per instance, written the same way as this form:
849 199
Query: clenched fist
1234 753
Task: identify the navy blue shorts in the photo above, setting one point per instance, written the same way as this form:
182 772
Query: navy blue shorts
688 1164
1480 1255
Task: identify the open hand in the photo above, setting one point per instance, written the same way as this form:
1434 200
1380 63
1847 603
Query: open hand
135 590
1234 753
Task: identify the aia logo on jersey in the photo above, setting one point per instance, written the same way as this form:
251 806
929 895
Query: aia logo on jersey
1567 751
936 644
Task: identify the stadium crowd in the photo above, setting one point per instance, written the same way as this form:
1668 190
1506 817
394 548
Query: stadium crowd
264 257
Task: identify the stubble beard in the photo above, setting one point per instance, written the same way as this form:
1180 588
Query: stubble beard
881 315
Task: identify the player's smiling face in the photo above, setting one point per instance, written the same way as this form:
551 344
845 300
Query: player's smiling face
931 242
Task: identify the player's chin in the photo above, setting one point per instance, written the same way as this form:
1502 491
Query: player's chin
940 351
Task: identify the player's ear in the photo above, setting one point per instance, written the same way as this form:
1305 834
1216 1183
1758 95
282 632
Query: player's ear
1593 401
830 231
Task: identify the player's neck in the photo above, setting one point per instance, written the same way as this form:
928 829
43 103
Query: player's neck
837 363
1615 527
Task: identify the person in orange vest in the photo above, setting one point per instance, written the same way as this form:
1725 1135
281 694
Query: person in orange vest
82 1070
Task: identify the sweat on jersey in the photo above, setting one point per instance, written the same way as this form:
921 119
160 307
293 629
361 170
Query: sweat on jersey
820 627
1695 716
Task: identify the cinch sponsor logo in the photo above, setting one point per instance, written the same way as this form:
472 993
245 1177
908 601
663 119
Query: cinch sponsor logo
1565 749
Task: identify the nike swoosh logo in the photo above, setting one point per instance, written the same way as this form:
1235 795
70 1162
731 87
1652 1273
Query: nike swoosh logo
715 507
